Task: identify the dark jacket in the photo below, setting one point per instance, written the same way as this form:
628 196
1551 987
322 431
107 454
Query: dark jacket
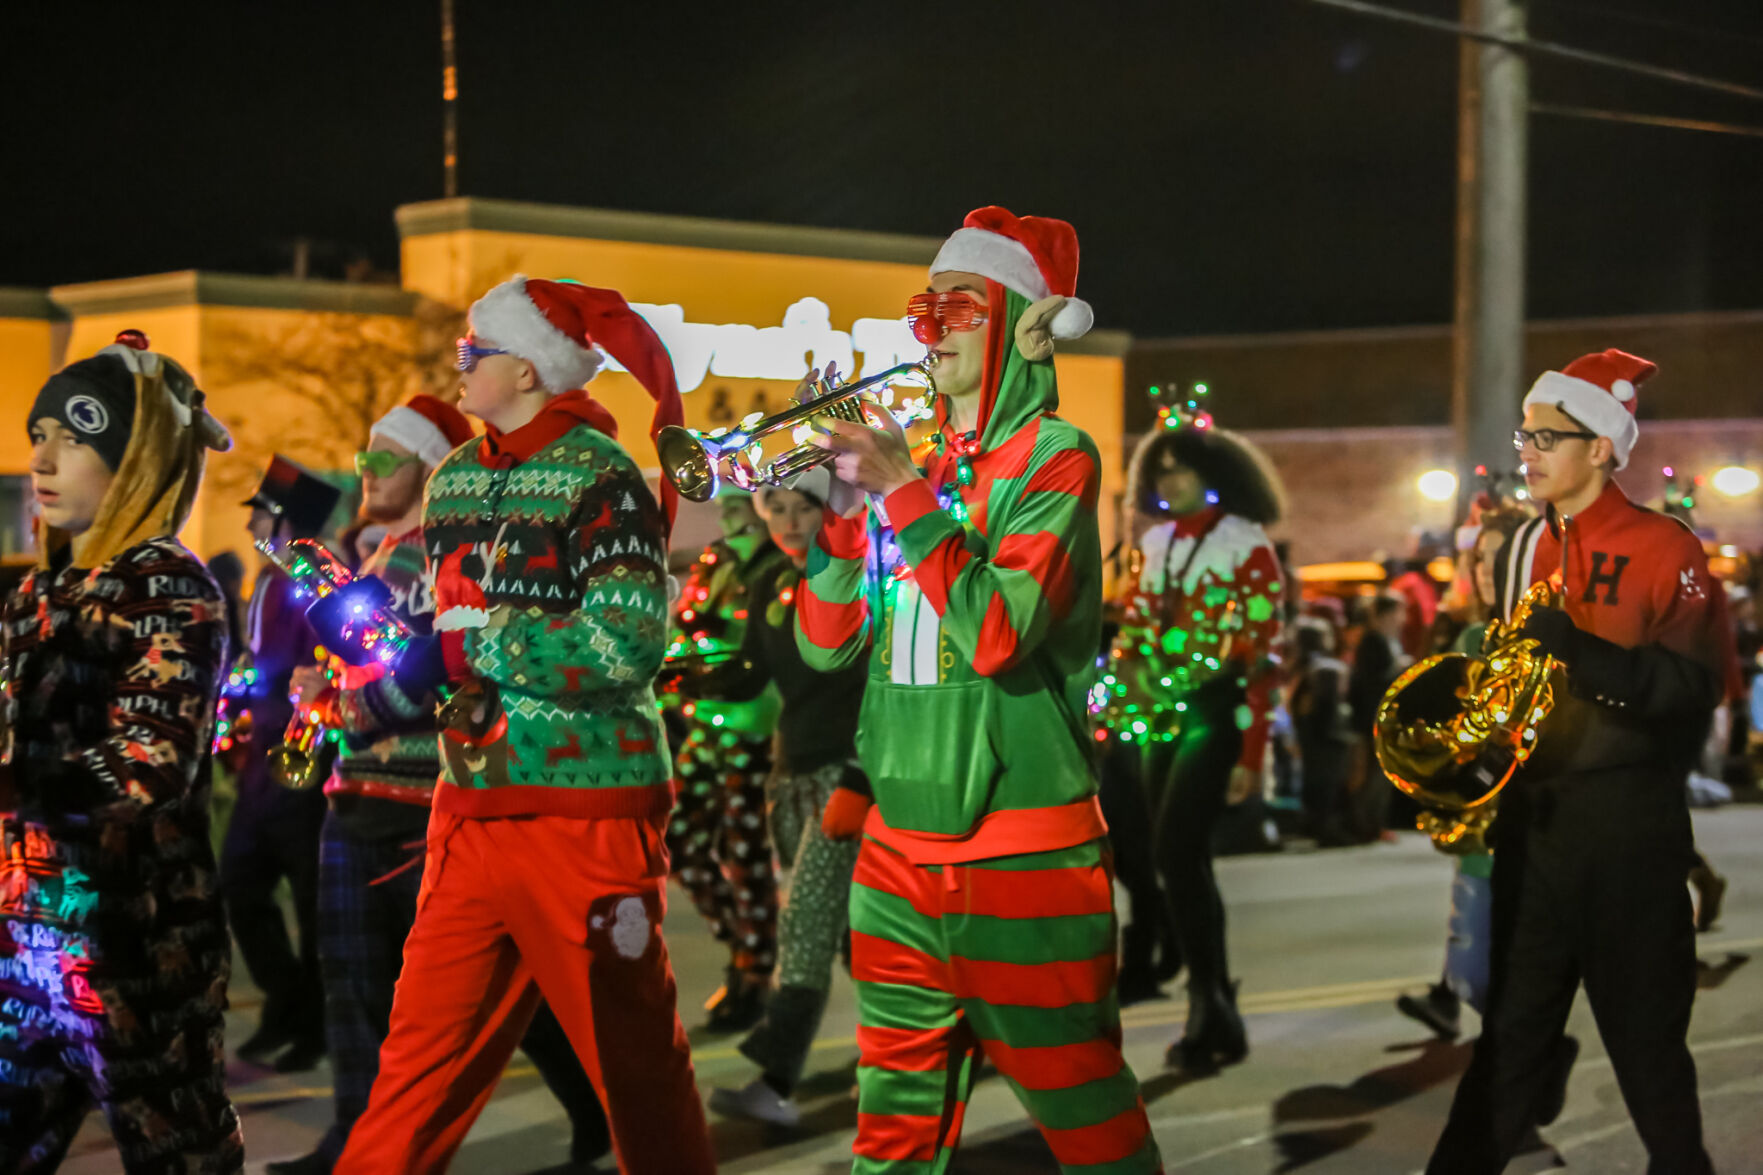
818 723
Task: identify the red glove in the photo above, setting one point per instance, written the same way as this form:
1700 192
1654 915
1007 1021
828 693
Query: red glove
845 813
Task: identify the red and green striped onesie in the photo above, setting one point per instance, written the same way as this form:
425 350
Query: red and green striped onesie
982 911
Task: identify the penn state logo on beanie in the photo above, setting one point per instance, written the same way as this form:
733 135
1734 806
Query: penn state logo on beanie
95 400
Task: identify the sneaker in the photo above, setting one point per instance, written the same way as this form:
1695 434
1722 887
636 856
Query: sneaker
312 1164
302 1055
265 1041
1439 1009
741 1007
758 1102
1710 892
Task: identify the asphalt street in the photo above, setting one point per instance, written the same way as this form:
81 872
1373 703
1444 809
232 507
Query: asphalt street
1337 1081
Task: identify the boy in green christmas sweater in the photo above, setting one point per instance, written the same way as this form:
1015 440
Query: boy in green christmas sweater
982 912
545 867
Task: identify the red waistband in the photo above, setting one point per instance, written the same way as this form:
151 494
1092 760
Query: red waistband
1007 833
538 800
417 794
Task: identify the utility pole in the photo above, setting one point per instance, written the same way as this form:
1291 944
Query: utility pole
1487 362
449 104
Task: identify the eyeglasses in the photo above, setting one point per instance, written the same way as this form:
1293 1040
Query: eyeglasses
381 463
1545 439
935 315
470 353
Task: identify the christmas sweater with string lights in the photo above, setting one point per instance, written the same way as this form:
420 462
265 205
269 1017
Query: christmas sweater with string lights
712 618
1205 607
975 593
549 538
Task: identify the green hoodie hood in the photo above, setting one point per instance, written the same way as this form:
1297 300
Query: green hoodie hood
1013 390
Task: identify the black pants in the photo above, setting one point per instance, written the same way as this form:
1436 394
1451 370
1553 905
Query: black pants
1188 805
1326 763
1127 809
1588 887
274 834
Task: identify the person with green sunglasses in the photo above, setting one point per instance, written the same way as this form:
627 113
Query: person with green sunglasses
383 463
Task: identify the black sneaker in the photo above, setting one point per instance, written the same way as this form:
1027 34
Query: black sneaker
312 1164
1439 1009
1137 986
268 1039
301 1056
738 1010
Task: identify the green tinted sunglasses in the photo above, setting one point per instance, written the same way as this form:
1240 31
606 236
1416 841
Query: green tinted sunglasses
381 463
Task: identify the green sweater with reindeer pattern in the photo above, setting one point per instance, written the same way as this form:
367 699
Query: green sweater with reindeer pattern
553 532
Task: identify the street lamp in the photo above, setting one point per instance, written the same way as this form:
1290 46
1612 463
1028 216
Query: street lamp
1437 485
1735 481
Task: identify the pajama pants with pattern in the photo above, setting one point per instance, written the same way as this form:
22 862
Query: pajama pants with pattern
816 882
1013 956
114 958
718 843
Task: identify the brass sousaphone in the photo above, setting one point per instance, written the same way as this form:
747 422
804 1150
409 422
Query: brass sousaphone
1454 728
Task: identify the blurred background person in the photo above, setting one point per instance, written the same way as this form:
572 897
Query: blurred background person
273 832
1470 926
716 837
1207 606
1378 660
816 799
1322 722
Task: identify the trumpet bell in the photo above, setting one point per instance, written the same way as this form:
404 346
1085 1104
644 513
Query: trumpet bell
687 463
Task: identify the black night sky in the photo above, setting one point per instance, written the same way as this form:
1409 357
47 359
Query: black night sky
1231 165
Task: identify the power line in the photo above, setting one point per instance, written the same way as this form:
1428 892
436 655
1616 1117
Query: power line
1545 48
1682 124
1656 22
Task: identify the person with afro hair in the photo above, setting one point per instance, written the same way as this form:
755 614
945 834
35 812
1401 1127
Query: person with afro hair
1200 622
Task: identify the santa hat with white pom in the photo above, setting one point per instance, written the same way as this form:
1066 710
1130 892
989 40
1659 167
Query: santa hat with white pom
566 330
1598 390
1034 255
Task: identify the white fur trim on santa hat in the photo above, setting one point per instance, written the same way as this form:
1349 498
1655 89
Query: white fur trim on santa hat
1010 264
509 319
1603 412
993 255
406 426
817 483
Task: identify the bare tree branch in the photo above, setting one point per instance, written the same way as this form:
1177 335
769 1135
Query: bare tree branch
313 386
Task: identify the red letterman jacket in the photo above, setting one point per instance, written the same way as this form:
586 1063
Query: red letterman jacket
1656 665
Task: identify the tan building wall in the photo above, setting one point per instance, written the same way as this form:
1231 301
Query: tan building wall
33 333
253 345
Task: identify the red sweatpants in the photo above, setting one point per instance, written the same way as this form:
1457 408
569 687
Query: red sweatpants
511 908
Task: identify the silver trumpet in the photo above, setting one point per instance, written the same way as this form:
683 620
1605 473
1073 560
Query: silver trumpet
696 463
